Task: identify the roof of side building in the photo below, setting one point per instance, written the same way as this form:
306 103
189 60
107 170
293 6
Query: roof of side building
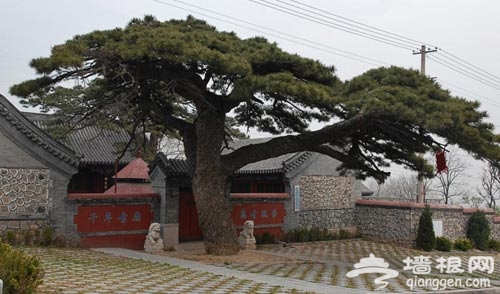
97 145
276 165
34 140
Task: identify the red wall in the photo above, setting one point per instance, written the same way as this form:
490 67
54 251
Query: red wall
113 220
268 213
107 218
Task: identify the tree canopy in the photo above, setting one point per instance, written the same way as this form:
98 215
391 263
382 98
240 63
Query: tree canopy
189 77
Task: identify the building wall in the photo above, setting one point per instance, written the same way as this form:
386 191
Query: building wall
12 156
32 195
61 211
24 189
320 197
158 184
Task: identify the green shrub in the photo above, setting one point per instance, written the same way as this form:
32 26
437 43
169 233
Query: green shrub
334 236
10 237
40 237
494 245
36 237
426 239
47 236
478 230
316 234
28 238
443 244
463 244
20 273
292 236
344 234
264 238
303 235
327 235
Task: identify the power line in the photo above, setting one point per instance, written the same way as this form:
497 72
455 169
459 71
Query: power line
357 24
289 37
469 93
471 65
301 14
464 72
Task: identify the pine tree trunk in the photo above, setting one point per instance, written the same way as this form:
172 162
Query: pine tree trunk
214 214
209 183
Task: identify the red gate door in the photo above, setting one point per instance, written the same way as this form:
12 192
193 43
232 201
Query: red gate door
189 228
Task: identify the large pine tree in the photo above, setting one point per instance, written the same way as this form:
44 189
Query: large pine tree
188 77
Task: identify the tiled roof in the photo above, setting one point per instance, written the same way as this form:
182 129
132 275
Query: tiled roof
137 169
170 166
98 146
276 165
20 122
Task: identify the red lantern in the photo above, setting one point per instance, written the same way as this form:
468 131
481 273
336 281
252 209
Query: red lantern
441 162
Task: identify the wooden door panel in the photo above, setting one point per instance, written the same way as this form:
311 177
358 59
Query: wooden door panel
189 228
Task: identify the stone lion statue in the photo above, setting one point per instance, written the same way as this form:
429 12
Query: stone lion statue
246 238
247 232
153 240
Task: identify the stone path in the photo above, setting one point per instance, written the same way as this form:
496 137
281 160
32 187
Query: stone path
328 262
319 268
295 285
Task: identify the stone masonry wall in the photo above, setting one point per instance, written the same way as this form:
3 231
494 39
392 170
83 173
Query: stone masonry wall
328 218
326 192
398 222
24 198
383 223
325 202
495 228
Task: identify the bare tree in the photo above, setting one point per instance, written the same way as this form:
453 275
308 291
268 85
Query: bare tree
400 188
490 186
449 185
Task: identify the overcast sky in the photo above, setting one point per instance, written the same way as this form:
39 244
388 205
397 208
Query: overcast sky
462 28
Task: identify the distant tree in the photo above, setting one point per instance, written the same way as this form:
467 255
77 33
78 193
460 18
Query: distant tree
426 239
402 187
490 186
452 184
473 200
187 77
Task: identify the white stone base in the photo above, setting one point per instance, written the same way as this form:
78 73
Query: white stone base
153 247
170 235
247 244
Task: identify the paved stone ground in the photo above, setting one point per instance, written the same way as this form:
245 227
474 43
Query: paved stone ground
73 271
321 268
329 262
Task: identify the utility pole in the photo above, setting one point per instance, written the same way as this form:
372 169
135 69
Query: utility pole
420 186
